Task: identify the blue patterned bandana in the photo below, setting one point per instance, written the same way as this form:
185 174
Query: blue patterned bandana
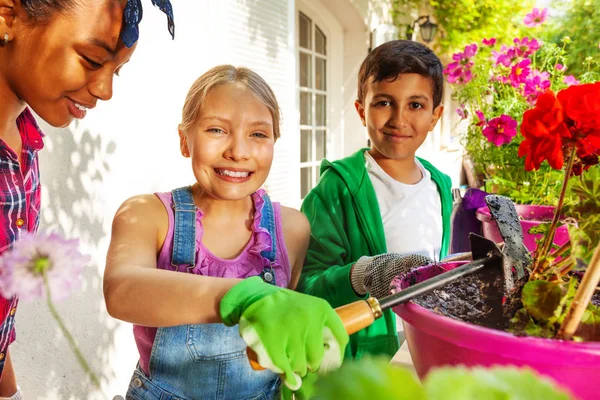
133 15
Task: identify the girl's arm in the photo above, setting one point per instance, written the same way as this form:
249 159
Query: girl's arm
136 291
296 233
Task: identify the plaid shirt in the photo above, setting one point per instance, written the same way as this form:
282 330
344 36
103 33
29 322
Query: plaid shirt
20 203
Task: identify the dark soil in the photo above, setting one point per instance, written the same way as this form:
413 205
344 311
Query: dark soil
596 298
478 299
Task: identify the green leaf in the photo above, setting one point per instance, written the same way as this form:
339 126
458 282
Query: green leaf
490 384
521 324
541 298
589 329
370 378
376 379
569 292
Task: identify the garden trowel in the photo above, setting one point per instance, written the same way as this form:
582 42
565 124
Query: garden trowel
515 253
488 262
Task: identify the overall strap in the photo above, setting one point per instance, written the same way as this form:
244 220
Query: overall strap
184 231
267 222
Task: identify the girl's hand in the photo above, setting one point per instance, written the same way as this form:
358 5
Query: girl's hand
292 333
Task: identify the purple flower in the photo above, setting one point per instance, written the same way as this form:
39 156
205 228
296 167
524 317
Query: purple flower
560 67
489 42
506 56
526 46
36 258
536 17
500 130
570 80
462 112
458 73
465 56
470 50
536 84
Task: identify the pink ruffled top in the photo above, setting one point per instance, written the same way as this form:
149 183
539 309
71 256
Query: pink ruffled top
249 263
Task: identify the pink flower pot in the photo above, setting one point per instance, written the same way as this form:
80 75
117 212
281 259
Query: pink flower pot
531 215
435 340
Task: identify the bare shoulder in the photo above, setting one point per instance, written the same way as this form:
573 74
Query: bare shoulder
140 216
295 224
138 207
139 228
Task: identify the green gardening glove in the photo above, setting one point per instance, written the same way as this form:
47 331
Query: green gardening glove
292 333
306 391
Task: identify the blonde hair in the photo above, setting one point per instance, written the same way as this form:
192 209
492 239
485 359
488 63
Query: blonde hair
228 74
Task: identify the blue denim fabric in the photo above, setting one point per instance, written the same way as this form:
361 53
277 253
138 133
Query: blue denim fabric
268 222
205 361
184 243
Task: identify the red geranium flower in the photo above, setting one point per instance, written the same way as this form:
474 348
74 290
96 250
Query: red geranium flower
582 105
544 128
582 109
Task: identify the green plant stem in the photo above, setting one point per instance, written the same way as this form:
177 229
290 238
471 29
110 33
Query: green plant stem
583 296
67 334
563 266
549 238
562 249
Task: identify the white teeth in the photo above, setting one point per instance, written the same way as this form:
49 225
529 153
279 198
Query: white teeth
80 107
233 174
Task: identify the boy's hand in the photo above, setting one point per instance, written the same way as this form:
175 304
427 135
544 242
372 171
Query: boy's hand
292 333
375 274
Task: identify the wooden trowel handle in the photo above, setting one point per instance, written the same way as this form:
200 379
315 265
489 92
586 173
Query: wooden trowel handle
355 316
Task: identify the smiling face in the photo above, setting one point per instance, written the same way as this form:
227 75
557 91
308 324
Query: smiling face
398 114
231 142
63 66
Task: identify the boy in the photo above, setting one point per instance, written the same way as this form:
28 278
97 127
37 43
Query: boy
382 210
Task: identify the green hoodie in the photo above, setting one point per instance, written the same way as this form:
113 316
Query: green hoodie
345 225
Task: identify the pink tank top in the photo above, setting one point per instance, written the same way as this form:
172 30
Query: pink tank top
250 262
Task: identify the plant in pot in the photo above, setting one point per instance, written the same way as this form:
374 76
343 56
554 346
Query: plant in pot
556 327
494 85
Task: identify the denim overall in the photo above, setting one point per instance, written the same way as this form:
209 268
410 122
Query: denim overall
205 361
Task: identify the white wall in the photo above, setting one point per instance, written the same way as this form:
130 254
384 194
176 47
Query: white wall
130 146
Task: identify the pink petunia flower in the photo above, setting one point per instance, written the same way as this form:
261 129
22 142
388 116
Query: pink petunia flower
481 118
489 42
520 72
526 46
500 130
536 17
560 67
470 50
465 56
34 258
536 84
570 80
462 112
459 73
506 56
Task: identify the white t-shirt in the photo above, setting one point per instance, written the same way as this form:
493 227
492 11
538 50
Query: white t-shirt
411 214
